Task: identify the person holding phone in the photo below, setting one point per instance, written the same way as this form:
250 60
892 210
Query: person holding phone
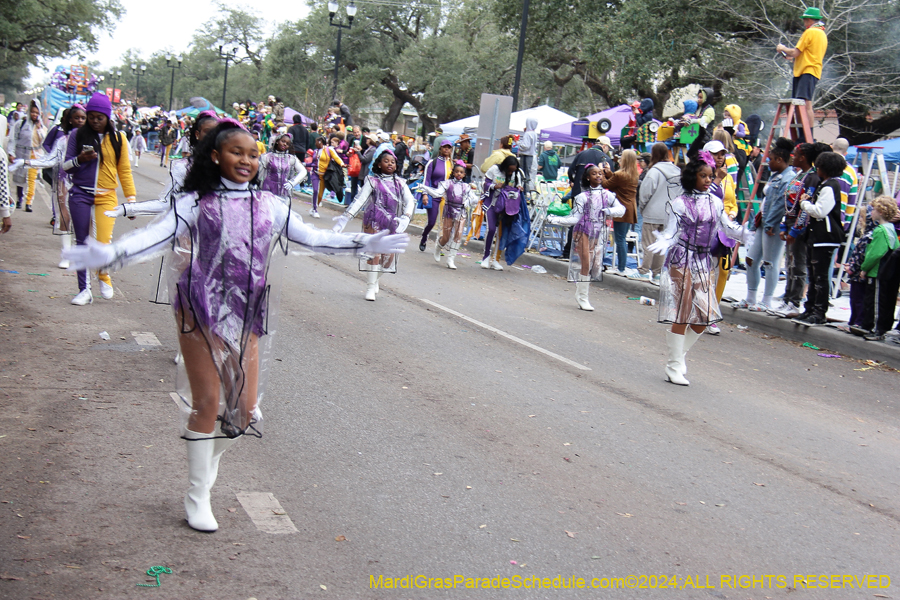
97 159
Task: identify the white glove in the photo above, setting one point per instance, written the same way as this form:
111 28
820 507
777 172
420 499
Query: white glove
402 224
288 186
16 165
552 219
385 242
660 246
340 222
92 256
118 211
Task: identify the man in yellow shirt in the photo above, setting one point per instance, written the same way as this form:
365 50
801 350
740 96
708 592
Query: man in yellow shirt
808 57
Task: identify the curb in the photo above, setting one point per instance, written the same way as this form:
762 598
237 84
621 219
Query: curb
823 337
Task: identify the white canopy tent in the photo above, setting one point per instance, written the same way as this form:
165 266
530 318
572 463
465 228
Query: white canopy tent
546 116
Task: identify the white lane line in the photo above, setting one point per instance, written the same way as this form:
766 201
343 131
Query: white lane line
507 335
266 512
145 338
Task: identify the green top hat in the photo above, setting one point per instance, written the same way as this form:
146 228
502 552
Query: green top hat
812 13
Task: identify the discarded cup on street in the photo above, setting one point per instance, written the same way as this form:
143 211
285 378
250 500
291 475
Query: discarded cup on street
647 301
538 269
104 336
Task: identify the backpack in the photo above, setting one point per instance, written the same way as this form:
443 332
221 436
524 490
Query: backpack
355 165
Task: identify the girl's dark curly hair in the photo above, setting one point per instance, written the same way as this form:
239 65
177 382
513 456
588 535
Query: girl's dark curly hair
204 175
376 165
831 163
689 174
198 122
585 180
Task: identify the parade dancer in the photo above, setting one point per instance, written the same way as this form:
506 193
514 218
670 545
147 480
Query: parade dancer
589 232
226 237
458 197
437 170
695 222
500 202
97 162
138 146
280 171
55 145
26 137
388 205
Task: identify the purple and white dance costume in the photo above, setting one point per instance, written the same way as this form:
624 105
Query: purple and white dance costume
222 283
280 173
436 171
458 197
499 206
687 293
588 222
384 200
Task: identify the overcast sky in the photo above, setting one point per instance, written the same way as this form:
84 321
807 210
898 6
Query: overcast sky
151 25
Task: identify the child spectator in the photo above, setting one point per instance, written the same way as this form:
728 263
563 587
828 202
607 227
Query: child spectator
858 283
879 268
824 234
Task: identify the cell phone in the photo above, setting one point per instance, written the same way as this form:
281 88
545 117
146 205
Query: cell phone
87 148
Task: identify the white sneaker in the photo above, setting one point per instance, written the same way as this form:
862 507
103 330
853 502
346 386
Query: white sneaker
485 263
314 213
83 297
496 265
106 290
713 329
618 273
638 276
64 264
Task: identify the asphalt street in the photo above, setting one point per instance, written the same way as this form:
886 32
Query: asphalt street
469 423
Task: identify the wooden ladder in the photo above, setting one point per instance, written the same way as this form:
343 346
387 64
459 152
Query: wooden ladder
791 122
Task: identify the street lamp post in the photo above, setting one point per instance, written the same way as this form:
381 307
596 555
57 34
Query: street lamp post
173 63
524 26
138 72
332 10
228 53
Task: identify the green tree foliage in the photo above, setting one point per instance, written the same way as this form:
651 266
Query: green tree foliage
31 30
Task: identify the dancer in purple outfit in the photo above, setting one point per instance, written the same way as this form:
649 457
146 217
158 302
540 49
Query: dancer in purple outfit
500 201
589 232
458 196
687 289
437 170
388 205
226 238
280 171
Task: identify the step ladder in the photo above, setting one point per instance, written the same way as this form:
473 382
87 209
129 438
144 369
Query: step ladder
791 121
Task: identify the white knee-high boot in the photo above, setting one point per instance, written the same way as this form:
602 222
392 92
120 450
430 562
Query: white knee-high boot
372 285
582 289
451 258
675 365
66 244
690 338
200 447
437 249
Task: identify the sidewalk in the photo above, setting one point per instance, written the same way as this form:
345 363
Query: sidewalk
828 338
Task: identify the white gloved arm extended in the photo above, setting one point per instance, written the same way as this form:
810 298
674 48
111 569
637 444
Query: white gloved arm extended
340 222
402 223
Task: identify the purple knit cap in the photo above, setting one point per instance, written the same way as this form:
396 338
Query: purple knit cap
100 103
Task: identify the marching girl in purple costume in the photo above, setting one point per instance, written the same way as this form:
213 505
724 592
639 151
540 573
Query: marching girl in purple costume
280 171
589 232
458 196
388 205
55 145
225 236
437 170
687 295
500 201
